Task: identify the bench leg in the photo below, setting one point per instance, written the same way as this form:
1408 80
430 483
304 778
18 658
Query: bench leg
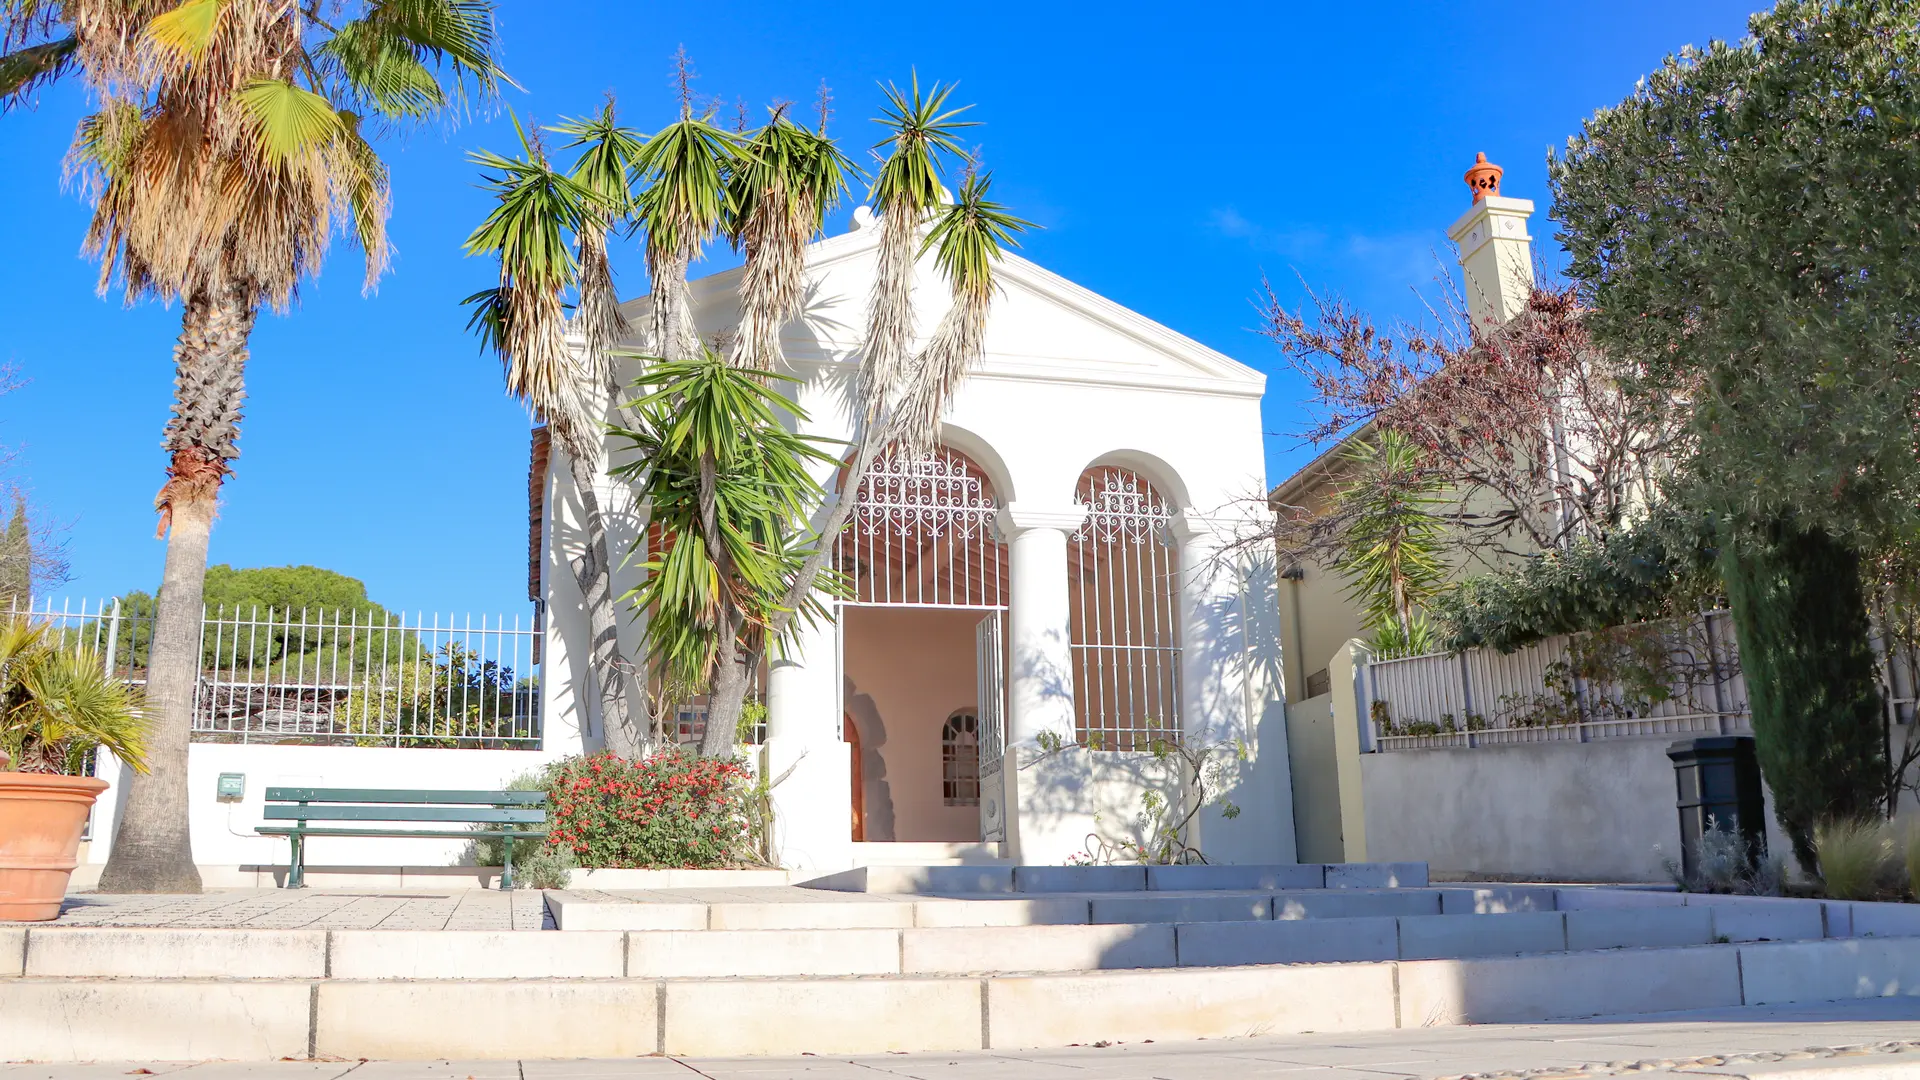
297 869
506 872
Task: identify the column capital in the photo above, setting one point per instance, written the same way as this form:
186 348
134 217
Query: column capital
1019 517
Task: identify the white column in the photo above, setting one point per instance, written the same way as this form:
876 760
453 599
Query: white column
1212 636
813 803
1047 823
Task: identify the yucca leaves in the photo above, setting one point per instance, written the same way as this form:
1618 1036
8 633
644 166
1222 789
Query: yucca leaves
606 167
727 486
783 183
682 205
967 239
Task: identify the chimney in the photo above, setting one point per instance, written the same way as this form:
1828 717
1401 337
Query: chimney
1495 250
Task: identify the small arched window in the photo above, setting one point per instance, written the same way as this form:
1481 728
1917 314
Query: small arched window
960 759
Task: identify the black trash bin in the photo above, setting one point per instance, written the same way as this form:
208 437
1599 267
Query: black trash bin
1719 778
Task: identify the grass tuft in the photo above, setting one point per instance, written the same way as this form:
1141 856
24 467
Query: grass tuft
1857 858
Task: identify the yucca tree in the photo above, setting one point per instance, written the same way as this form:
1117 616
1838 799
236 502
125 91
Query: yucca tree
728 490
225 153
682 206
567 384
903 393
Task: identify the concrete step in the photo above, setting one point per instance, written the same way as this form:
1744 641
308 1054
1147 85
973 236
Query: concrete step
821 910
57 1019
197 953
927 853
938 878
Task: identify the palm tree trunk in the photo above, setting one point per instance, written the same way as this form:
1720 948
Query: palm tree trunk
623 711
153 847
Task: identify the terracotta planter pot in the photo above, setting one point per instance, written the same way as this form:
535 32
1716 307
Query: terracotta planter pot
41 818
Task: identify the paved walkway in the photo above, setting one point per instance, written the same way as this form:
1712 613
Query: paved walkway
1877 1039
315 909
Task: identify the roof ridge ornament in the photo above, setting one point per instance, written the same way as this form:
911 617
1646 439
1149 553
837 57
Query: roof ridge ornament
1484 177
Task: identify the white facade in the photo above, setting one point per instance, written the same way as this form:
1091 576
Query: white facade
1070 381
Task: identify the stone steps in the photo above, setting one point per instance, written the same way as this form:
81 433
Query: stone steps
332 1015
936 879
193 953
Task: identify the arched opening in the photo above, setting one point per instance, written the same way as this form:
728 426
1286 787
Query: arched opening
1123 592
923 565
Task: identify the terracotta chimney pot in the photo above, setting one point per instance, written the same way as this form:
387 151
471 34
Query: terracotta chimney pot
1484 177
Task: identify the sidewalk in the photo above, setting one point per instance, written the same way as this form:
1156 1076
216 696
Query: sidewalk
1874 1039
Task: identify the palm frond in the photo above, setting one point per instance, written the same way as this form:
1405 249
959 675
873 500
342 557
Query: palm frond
906 187
786 180
683 205
187 31
26 70
288 120
605 169
968 238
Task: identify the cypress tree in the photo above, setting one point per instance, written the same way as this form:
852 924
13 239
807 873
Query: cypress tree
16 561
1818 719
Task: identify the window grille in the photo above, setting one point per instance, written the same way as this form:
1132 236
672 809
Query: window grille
922 534
1123 576
960 760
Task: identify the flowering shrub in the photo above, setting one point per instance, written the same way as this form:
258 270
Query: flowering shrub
674 809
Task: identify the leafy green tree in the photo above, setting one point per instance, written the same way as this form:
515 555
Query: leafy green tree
276 619
1743 227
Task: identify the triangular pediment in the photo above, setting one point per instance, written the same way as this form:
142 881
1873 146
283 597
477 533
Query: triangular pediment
1043 326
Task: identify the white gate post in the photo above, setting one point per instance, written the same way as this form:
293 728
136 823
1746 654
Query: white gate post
813 804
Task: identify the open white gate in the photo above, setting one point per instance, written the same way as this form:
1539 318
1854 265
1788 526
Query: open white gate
990 663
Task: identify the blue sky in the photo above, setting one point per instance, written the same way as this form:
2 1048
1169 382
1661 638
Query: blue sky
1174 153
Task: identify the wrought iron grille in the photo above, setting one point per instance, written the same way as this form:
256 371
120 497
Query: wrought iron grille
922 534
1123 576
353 678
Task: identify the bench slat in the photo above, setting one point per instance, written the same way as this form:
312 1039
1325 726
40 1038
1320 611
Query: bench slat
400 834
530 815
405 796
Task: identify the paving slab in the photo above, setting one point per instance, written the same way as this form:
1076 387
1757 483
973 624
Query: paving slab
1786 972
1623 928
999 911
476 954
703 954
1432 937
1567 986
1036 948
1288 941
1355 903
487 1019
175 953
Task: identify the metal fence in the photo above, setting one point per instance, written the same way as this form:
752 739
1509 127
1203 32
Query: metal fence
333 678
1680 677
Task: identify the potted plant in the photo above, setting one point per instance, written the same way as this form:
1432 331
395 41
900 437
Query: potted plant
58 704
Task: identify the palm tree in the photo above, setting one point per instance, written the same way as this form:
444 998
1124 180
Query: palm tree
524 320
226 152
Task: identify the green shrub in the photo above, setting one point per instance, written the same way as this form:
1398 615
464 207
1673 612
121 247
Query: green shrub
535 866
1857 858
674 809
1721 866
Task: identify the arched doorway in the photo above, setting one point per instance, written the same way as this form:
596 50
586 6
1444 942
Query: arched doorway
1123 596
924 565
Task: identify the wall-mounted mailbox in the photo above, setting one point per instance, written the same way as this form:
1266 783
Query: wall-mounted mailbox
233 786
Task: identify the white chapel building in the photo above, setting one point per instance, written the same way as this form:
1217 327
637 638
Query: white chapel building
1028 606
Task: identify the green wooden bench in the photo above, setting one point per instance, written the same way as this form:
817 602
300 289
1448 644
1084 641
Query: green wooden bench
518 815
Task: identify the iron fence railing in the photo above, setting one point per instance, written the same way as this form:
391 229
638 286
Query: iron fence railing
339 678
1680 677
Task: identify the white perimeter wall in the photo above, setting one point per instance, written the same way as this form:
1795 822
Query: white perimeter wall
1550 811
223 832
